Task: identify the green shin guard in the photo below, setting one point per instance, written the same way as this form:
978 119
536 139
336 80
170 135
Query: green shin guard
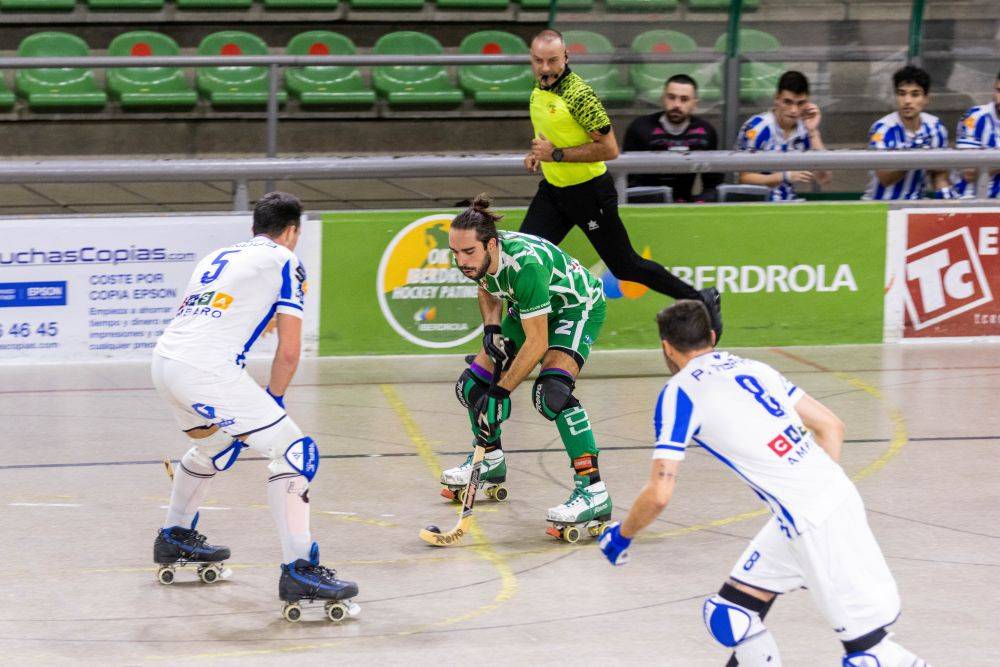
577 436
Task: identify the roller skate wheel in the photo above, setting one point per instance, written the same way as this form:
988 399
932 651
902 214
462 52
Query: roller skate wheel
460 496
336 611
490 492
571 534
500 493
448 493
595 531
353 609
208 574
165 575
292 612
554 532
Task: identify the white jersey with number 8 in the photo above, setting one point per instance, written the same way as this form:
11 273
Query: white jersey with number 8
743 413
233 294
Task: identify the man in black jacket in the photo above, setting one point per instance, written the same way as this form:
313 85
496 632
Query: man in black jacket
675 129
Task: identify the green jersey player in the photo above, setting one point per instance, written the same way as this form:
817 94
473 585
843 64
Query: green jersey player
555 310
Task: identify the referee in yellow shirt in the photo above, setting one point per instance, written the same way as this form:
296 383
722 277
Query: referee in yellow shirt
573 137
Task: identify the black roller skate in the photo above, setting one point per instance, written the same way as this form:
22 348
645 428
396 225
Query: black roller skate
179 547
307 580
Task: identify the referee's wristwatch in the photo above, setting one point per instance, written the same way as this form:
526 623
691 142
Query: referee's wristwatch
557 155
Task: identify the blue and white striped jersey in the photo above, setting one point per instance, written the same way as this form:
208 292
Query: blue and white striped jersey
743 412
978 128
232 296
889 134
762 133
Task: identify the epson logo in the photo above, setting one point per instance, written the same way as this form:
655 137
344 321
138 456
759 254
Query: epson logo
44 292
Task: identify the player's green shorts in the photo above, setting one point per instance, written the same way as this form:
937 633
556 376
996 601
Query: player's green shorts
573 331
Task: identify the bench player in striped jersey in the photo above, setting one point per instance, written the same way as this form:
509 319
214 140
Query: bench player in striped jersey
792 124
908 128
555 314
979 128
785 445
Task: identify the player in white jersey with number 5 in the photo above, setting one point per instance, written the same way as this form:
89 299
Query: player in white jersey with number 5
785 445
198 368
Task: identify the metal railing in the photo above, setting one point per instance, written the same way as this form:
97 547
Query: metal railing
241 172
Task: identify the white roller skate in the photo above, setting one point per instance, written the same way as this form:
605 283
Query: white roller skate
588 508
492 475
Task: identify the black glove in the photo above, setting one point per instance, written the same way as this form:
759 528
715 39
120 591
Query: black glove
501 350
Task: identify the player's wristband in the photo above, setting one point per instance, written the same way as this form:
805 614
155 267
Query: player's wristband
280 400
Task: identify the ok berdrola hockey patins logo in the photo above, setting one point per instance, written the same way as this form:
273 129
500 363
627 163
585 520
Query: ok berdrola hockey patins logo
422 294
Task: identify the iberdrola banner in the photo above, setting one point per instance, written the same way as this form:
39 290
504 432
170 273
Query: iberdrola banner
789 275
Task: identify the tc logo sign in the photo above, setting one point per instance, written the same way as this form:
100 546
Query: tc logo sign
945 277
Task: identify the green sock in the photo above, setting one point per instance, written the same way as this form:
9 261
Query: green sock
578 439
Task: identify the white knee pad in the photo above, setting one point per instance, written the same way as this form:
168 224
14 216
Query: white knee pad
217 452
729 623
290 451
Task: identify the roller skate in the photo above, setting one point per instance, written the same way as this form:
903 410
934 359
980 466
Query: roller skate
588 508
492 475
308 581
180 547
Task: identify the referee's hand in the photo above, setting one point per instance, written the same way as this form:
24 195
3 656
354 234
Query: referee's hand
542 148
531 162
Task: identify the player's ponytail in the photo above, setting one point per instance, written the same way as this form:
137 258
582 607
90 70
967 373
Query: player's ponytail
480 218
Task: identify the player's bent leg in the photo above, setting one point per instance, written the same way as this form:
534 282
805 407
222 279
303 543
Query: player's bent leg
553 398
733 618
294 462
876 649
471 385
208 454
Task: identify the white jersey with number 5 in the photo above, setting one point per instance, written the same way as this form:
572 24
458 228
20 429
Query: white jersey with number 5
743 413
231 297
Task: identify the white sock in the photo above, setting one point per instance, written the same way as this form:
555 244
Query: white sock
191 481
286 495
759 651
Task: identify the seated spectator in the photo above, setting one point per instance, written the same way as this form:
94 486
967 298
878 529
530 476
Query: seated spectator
908 128
979 128
792 124
676 128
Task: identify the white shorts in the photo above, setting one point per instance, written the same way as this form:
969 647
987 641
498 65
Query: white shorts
840 563
198 398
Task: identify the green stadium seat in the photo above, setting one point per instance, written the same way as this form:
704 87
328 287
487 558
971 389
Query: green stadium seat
473 4
7 98
324 85
125 4
561 5
140 87
57 88
301 4
721 4
757 80
37 5
648 78
606 80
387 4
413 85
640 5
495 85
234 86
214 4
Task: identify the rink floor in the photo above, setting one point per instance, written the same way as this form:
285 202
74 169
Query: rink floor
83 489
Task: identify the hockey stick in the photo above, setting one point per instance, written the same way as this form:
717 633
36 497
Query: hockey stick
170 468
439 539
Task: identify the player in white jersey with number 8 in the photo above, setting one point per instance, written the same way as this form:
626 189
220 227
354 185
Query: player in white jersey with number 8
785 445
198 368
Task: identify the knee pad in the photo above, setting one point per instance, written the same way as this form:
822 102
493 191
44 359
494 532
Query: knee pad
217 452
730 623
290 451
469 388
553 393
